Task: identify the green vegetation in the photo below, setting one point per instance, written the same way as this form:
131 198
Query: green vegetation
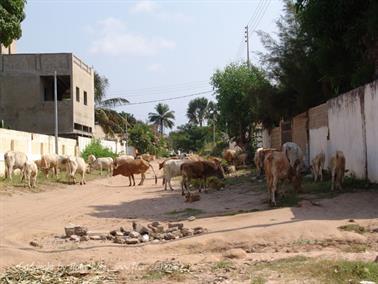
95 148
172 270
163 117
9 186
145 140
353 228
110 120
222 264
301 268
74 273
11 16
197 110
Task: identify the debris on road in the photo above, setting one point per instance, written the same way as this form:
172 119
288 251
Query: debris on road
153 232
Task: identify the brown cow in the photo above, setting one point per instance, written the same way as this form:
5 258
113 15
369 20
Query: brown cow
317 166
337 165
277 168
132 167
201 170
259 159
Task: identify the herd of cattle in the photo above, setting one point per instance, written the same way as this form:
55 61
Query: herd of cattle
277 166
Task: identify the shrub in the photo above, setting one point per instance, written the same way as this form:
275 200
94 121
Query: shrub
95 148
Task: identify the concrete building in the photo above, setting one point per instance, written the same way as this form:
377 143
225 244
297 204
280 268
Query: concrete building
27 93
8 50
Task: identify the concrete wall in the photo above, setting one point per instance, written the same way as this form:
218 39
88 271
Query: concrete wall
371 118
33 145
346 130
266 139
318 131
82 77
299 133
8 50
276 138
348 123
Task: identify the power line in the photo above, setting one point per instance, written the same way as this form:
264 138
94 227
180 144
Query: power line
164 87
263 11
170 99
252 21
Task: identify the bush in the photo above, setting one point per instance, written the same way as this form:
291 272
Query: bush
95 148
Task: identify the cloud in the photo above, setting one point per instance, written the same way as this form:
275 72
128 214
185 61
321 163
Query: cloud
152 8
114 39
144 6
155 68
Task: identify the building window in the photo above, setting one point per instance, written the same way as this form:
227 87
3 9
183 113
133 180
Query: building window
63 87
77 94
85 98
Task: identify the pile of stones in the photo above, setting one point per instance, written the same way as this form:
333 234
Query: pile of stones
154 232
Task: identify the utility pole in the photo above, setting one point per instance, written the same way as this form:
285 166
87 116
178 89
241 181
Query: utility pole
213 129
127 138
56 111
247 41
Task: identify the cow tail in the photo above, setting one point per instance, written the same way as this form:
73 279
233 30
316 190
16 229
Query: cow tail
153 171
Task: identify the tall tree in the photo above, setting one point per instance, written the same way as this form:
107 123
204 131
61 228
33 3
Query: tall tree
11 16
197 111
163 117
110 120
342 39
237 88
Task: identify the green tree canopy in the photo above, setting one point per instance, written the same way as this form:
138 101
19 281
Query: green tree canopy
110 120
190 137
163 117
11 16
197 111
238 89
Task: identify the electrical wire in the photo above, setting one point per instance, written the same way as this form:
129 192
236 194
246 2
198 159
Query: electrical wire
168 99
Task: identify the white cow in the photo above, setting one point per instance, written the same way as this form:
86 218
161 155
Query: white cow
52 162
171 169
295 156
14 160
76 165
101 163
30 172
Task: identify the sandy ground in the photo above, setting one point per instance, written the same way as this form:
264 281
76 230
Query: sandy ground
107 203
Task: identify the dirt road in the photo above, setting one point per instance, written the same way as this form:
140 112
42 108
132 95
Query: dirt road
106 204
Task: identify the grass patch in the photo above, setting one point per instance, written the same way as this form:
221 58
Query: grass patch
355 248
289 199
301 268
186 212
16 183
257 280
222 264
353 228
74 273
174 271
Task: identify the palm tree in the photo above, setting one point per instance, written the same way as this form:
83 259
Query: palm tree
211 112
109 119
197 111
163 117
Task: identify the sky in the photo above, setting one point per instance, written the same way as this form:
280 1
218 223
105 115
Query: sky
150 50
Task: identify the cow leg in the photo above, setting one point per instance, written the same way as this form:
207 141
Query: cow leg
132 176
165 183
170 185
204 185
333 177
273 191
182 185
142 179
